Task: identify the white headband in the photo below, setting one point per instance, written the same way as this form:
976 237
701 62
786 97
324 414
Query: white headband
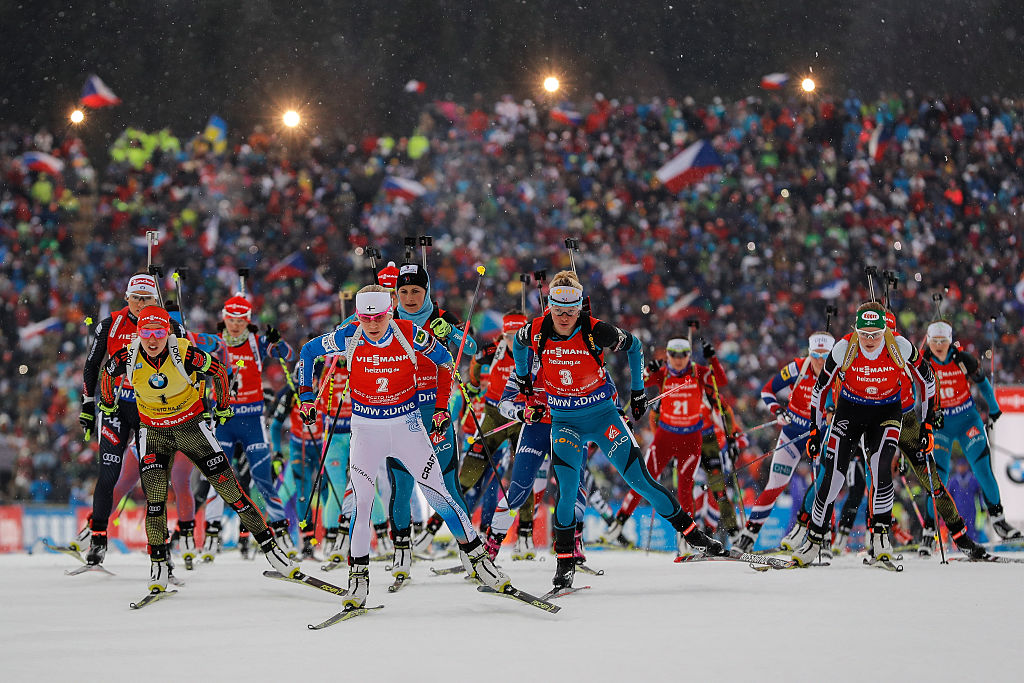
563 295
821 342
940 330
141 284
677 345
373 303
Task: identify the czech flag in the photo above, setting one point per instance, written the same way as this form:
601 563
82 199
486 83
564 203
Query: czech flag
689 166
774 81
40 161
291 267
880 139
415 86
403 187
568 117
96 94
833 290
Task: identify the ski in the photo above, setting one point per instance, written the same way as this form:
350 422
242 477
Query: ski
66 549
535 558
89 568
398 583
439 556
151 598
523 597
789 564
448 570
330 566
589 570
174 580
757 558
307 580
883 564
562 592
343 615
989 558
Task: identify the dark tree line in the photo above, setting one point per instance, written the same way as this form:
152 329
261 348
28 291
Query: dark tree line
175 62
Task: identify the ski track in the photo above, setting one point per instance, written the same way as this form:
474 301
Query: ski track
647 618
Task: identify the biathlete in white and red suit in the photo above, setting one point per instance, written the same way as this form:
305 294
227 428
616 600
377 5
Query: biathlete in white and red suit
798 377
383 357
570 347
869 364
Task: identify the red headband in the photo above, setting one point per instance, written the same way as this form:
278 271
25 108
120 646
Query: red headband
511 323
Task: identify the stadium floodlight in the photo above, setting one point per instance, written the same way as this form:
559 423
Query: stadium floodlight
291 118
551 84
808 85
77 116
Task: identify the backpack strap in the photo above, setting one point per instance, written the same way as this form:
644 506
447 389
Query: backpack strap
894 349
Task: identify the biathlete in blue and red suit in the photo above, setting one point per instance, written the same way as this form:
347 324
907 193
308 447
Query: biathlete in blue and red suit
869 364
384 357
570 347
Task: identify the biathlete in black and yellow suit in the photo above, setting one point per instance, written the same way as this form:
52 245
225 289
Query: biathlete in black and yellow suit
163 369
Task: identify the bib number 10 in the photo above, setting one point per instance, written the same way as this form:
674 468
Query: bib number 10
382 385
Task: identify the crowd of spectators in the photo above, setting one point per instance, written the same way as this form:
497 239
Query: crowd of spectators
811 190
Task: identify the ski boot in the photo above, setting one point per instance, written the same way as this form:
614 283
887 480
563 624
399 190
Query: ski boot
421 546
840 540
358 583
744 541
211 542
97 549
308 542
881 547
330 537
810 548
565 570
484 569
385 547
338 552
524 549
158 569
283 536
245 544
1002 528
967 545
927 545
577 548
417 529
492 545
402 563
698 540
81 541
793 539
187 543
614 533
276 556
682 549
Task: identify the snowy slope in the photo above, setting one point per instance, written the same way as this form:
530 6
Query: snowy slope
646 619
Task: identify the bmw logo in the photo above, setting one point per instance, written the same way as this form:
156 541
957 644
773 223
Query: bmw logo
158 381
1015 471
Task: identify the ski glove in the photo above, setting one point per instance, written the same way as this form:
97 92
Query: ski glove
655 365
273 336
473 390
531 414
813 443
927 442
638 403
709 350
524 383
902 466
938 420
439 423
307 411
87 418
278 464
732 448
781 416
109 411
441 328
223 414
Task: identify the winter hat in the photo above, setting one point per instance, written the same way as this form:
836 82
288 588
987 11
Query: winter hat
412 274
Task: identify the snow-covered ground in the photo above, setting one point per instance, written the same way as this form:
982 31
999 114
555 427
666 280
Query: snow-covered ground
646 619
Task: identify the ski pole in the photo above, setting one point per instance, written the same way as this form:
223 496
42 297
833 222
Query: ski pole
179 274
479 430
913 503
769 423
425 241
871 272
767 453
928 459
493 431
469 314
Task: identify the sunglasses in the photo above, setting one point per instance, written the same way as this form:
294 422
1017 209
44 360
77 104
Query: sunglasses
823 354
678 354
871 336
371 318
146 333
565 312
144 298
